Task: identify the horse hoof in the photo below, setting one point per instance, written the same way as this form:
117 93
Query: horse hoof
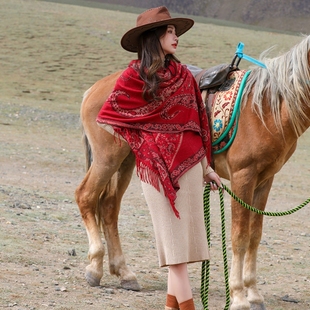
91 280
131 285
260 306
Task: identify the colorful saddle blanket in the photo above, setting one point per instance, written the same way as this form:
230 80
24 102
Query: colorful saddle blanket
223 112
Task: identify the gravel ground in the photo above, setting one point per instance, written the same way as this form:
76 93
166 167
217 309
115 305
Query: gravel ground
50 54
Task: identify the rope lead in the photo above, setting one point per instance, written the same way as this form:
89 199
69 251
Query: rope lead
205 268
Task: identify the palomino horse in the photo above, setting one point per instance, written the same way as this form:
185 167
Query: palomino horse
275 112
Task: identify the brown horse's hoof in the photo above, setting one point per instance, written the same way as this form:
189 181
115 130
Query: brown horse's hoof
131 285
258 306
91 280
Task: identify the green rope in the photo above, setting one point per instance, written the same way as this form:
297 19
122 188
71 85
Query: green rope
205 269
245 205
226 274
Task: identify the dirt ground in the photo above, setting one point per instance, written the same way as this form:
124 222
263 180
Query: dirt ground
50 54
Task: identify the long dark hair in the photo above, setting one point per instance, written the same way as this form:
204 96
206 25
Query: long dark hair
149 52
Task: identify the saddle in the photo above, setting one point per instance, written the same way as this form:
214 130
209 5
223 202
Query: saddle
219 88
211 77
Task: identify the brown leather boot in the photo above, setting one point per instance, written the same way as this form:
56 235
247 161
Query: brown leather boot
171 303
187 305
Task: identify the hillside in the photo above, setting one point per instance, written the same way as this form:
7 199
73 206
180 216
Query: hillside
288 15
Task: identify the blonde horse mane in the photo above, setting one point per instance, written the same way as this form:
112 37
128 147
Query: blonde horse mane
286 80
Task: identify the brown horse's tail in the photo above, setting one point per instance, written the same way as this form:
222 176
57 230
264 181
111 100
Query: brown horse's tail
88 162
88 151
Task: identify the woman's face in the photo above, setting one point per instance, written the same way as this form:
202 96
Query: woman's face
169 41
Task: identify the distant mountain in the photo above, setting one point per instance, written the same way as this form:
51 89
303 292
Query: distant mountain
282 15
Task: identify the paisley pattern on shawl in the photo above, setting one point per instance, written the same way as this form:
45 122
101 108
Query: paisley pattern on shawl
169 135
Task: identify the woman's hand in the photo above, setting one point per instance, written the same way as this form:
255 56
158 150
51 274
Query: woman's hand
214 180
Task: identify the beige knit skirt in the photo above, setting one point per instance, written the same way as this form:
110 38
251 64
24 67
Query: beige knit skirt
181 240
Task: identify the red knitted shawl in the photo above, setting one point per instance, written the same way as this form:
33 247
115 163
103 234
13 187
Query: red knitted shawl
168 136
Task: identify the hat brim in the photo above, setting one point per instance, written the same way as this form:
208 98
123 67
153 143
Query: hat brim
130 39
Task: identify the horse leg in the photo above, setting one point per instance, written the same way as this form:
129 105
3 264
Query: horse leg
88 195
256 226
109 216
240 237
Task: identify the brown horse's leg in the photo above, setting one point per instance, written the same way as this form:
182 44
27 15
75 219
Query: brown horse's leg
240 237
87 195
109 216
107 158
256 226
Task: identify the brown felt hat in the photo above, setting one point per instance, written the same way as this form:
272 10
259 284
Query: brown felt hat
150 19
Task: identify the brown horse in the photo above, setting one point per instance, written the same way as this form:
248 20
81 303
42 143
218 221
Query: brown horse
275 112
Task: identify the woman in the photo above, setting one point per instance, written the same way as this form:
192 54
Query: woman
157 109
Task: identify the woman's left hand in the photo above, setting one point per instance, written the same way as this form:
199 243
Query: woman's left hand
214 180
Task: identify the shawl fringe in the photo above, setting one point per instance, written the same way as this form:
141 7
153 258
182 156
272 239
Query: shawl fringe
149 176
